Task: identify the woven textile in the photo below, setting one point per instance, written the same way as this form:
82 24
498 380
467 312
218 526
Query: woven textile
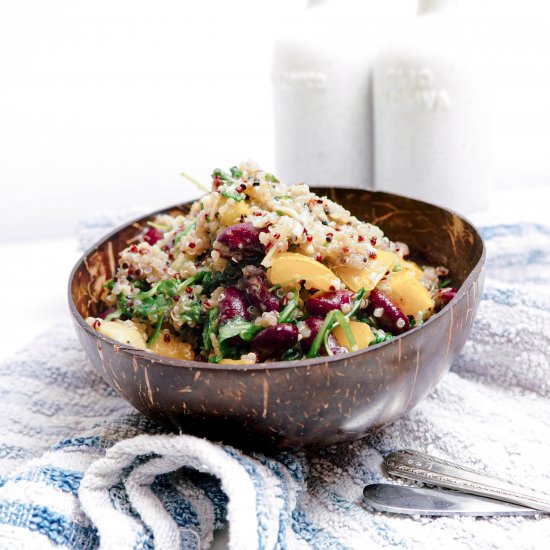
79 468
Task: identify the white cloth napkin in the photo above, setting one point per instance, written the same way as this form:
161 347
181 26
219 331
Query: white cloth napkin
79 468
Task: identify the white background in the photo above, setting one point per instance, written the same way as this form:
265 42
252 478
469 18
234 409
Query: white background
103 103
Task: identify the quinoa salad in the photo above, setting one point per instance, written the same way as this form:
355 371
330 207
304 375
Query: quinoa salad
263 271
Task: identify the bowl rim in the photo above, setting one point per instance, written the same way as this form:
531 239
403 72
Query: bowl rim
301 363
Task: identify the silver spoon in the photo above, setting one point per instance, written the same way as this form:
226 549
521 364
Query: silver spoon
435 471
416 501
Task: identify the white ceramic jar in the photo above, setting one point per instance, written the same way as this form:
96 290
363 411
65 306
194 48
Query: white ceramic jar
433 110
322 68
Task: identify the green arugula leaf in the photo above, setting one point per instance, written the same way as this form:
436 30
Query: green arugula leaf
114 315
153 338
445 283
209 328
158 300
109 284
211 280
169 287
192 312
292 354
150 305
238 327
378 339
224 176
236 173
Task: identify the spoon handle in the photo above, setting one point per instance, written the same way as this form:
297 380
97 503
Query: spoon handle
435 471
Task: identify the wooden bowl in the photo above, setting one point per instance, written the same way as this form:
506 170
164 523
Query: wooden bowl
296 403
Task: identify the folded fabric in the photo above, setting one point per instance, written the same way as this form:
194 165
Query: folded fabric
79 468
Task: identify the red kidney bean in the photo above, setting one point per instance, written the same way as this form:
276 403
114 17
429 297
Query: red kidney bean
257 289
233 303
391 314
274 341
240 239
152 235
443 296
327 301
314 324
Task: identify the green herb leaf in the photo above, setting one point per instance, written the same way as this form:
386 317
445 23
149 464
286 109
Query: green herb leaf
114 315
158 300
292 354
445 283
195 182
286 313
232 194
153 338
170 287
210 281
319 338
378 339
209 329
271 178
109 284
238 327
236 173
357 303
192 312
217 173
194 279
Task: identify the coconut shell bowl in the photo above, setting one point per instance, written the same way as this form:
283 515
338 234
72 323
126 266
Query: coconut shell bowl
293 404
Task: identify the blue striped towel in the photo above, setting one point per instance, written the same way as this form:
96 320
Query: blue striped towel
79 468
